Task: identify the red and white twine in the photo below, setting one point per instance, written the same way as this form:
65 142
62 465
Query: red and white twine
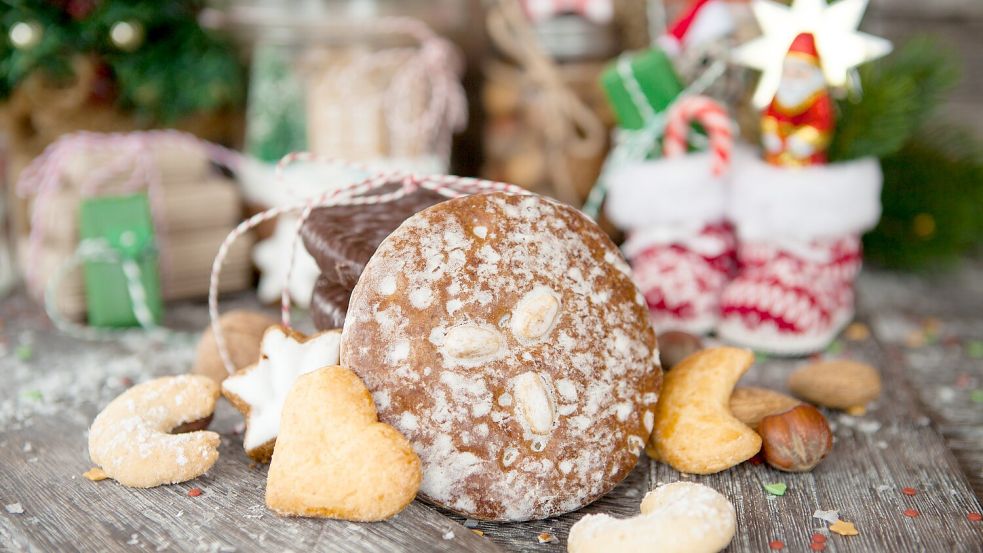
712 116
133 157
361 192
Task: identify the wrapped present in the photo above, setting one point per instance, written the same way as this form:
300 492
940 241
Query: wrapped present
122 227
649 75
192 208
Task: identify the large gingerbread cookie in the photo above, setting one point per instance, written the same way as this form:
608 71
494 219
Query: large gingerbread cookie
503 336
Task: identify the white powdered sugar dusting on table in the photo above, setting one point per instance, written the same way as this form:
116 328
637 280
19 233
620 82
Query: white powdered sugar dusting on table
76 385
522 385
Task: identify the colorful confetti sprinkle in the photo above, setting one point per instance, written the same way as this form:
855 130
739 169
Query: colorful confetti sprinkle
194 492
974 517
912 513
776 545
915 339
95 474
477 532
24 352
835 348
964 381
33 395
976 395
818 538
974 349
776 488
857 332
909 491
843 528
818 546
546 537
857 410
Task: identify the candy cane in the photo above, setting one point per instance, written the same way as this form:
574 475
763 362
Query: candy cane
362 192
714 119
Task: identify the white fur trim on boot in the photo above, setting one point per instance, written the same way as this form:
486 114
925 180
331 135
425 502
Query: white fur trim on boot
804 203
666 191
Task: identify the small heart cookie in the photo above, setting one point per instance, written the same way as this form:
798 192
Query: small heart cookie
334 459
682 517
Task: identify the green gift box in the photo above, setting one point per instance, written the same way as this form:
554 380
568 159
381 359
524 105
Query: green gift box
122 227
649 73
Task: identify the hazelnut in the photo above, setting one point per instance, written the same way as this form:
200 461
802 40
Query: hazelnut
674 346
796 440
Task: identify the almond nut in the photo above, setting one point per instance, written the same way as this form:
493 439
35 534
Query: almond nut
535 314
749 404
839 384
471 342
534 403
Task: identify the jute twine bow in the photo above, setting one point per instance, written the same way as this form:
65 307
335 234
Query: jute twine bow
361 192
133 158
569 126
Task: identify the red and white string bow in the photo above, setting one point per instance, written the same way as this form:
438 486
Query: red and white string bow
133 158
366 191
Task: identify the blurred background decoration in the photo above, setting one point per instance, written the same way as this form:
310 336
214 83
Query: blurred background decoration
70 65
525 91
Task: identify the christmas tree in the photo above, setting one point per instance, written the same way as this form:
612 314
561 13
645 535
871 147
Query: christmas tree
152 58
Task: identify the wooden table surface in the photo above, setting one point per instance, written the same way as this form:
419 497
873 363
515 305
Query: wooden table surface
925 432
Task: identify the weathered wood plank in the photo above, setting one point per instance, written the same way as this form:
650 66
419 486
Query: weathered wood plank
894 445
64 511
891 447
43 452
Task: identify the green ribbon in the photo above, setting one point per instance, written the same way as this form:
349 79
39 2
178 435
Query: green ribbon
126 247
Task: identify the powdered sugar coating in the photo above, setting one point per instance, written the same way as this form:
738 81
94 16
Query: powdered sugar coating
130 438
513 419
681 517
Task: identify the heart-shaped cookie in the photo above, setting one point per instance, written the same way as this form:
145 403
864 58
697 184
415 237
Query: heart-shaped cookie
333 458
682 517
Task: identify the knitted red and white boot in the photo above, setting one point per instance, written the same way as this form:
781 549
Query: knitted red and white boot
799 252
681 250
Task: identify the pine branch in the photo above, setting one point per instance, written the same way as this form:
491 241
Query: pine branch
932 201
900 93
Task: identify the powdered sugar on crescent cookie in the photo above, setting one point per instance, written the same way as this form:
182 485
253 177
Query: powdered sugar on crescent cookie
259 391
504 337
130 438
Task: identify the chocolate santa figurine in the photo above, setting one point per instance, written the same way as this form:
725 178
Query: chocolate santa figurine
797 124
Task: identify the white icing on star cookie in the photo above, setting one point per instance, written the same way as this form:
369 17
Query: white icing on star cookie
259 391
